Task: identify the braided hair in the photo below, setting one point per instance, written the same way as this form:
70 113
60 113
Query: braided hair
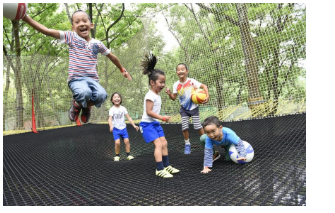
148 67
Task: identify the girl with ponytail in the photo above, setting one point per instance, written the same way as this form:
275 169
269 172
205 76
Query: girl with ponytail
150 127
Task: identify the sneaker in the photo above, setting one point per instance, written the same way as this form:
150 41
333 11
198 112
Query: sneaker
74 111
117 158
216 156
164 174
187 149
86 114
171 170
130 157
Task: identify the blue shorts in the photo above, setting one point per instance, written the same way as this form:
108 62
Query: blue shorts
120 133
85 89
151 131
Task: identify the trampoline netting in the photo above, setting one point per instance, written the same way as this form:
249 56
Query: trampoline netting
252 58
74 166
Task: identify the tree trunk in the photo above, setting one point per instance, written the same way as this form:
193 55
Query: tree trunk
90 13
248 45
18 84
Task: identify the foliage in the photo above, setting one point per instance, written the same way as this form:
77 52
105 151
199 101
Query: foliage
210 43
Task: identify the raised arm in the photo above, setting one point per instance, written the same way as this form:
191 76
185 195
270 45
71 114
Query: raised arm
172 96
41 28
117 63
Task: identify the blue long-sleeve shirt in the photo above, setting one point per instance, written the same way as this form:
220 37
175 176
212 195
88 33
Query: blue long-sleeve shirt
229 137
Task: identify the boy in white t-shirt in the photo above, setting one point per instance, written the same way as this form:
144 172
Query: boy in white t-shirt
118 126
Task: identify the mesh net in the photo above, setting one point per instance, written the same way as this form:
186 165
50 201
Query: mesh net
251 57
74 166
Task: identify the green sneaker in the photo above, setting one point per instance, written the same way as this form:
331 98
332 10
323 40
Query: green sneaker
164 174
171 170
130 157
117 158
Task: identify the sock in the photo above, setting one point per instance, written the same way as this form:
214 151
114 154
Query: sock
128 153
166 161
159 165
187 142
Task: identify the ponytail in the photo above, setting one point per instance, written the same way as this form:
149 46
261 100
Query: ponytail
148 64
148 67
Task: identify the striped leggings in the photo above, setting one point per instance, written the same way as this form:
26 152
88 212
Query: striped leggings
185 122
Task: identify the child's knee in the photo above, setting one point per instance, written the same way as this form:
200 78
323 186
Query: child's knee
100 98
163 142
185 130
227 156
203 139
84 94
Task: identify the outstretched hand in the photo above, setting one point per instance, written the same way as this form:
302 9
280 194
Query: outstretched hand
206 170
167 90
126 74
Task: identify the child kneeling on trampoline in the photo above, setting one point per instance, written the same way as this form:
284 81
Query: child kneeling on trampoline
221 136
150 128
118 126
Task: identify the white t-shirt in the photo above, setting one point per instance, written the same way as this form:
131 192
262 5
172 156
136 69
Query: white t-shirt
184 91
118 114
156 108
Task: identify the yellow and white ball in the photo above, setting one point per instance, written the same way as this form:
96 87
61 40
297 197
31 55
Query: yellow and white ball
198 96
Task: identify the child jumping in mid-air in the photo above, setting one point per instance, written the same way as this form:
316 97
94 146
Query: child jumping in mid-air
150 127
118 126
221 136
83 77
184 88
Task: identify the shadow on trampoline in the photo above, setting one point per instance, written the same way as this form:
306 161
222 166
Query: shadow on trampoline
74 166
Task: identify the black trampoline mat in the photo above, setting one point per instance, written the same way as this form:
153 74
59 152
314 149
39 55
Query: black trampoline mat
74 166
